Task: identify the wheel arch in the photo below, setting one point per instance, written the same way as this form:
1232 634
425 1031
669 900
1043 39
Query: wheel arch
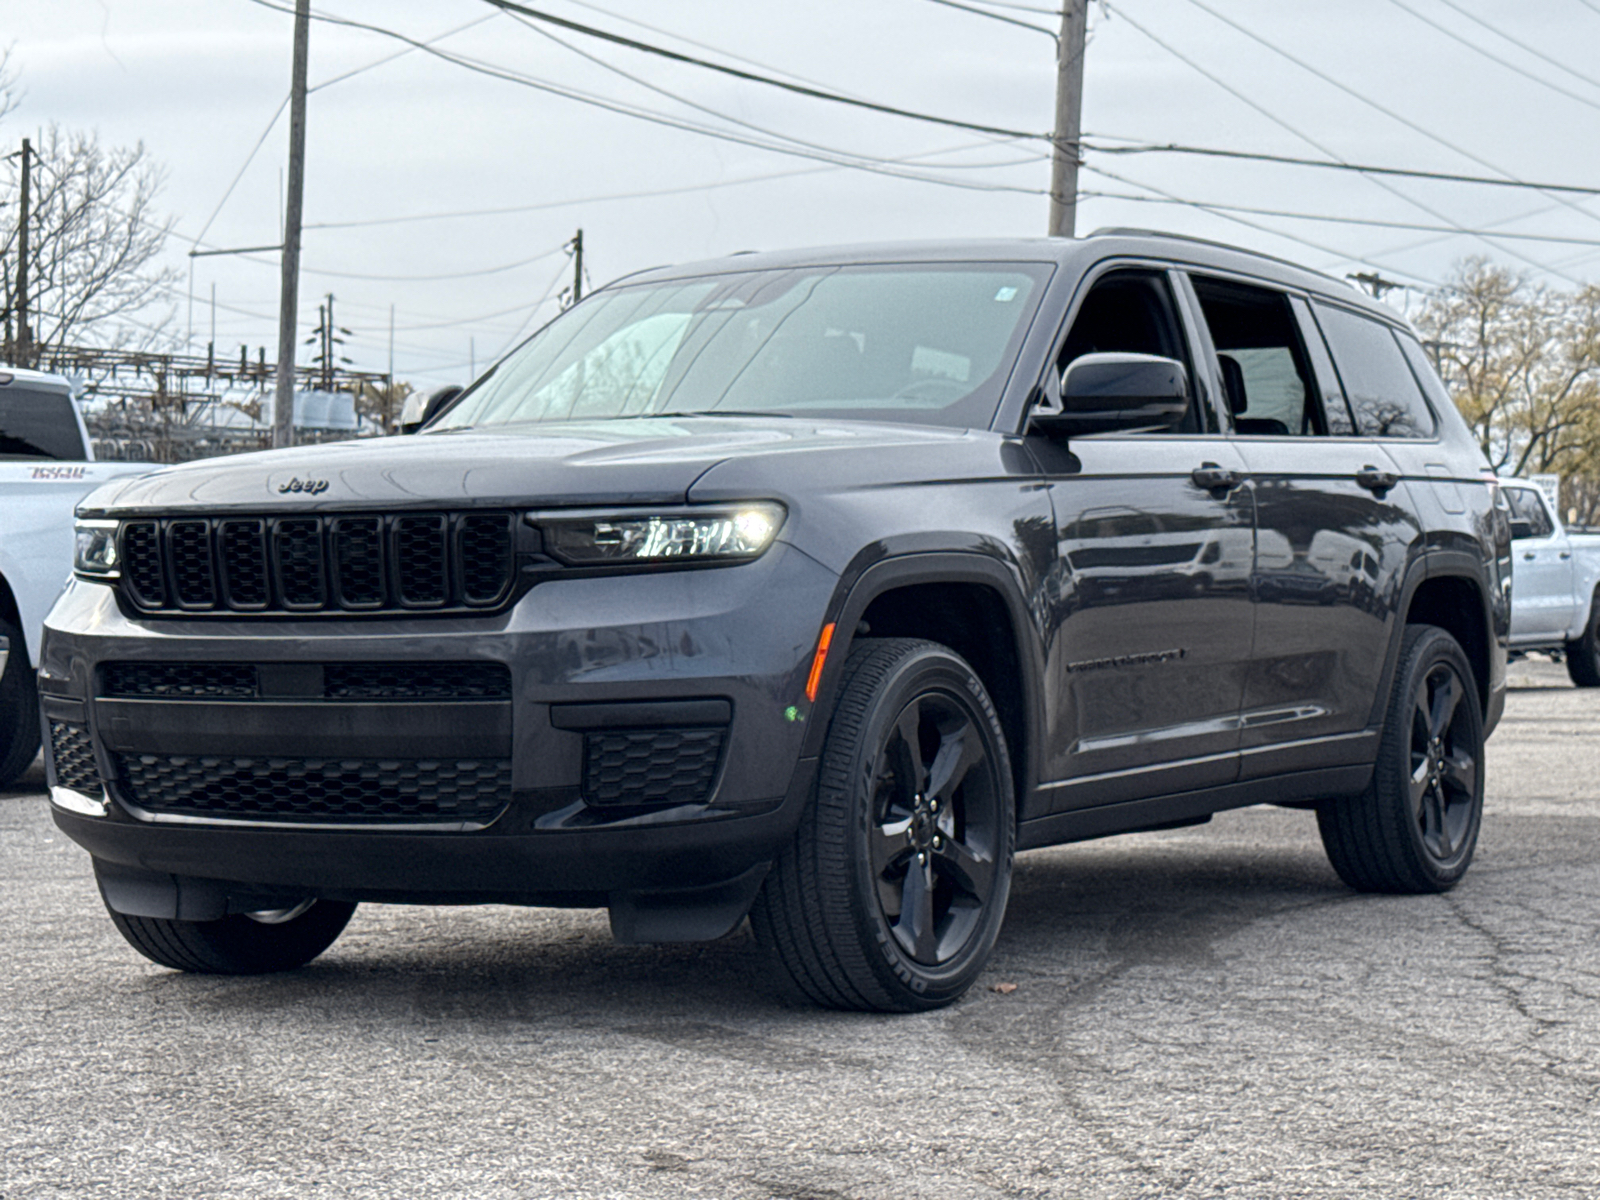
1449 594
973 604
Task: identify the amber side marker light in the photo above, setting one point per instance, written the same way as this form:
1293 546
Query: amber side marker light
821 657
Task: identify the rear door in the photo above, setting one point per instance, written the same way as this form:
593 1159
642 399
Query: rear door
1333 532
1151 617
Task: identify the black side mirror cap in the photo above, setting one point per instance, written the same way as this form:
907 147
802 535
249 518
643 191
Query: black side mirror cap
1102 393
1521 530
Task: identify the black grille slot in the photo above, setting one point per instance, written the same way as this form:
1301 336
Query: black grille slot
420 561
297 548
72 755
180 681
243 545
650 766
417 681
193 576
485 557
343 790
141 558
358 562
312 563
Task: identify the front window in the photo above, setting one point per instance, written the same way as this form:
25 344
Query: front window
923 344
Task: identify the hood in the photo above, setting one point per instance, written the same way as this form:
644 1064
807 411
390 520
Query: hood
631 461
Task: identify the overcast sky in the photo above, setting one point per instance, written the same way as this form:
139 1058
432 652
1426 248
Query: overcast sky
394 147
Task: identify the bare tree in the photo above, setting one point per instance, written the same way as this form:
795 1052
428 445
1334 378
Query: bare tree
1523 362
94 240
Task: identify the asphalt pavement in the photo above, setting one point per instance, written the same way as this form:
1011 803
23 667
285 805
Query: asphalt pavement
1203 1012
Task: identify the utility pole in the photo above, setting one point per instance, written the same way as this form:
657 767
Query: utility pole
24 355
1069 117
575 292
289 295
1375 284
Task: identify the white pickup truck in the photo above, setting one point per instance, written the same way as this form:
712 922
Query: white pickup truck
1554 581
46 467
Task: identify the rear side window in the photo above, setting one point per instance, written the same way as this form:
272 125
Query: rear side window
1265 375
38 424
1383 393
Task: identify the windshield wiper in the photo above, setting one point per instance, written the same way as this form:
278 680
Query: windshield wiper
719 412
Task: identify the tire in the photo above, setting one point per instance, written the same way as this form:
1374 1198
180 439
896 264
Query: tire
1415 827
1583 654
19 709
893 890
242 944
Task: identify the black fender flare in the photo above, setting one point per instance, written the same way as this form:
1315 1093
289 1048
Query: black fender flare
859 588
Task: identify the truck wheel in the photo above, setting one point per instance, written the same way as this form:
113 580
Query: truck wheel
1583 654
243 944
19 709
892 893
1415 827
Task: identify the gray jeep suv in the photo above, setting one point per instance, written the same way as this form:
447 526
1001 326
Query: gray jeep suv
809 587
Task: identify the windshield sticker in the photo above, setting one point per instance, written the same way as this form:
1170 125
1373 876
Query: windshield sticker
1005 295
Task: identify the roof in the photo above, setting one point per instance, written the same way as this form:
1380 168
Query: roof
1077 253
45 379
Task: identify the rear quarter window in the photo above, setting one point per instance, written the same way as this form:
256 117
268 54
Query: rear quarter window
1384 395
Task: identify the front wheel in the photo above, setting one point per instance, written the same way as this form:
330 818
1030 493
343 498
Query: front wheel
892 893
255 943
1583 653
19 709
1415 827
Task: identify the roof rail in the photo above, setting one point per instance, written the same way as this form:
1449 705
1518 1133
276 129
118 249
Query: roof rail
1132 231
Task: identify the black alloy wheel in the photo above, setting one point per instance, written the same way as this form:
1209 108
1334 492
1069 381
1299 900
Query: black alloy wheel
891 895
1416 826
1444 767
20 732
935 825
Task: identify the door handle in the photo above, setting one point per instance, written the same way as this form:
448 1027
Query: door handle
1376 481
1528 555
1566 554
1213 478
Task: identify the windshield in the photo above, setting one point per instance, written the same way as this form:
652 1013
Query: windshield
924 344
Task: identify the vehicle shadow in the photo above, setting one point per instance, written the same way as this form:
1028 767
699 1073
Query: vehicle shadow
1071 908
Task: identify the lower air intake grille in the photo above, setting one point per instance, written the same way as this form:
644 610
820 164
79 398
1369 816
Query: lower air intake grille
73 756
650 766
345 790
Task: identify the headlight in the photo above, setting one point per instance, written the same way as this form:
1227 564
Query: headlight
734 534
95 553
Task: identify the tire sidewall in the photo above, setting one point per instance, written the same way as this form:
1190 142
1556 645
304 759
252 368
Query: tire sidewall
1432 647
930 668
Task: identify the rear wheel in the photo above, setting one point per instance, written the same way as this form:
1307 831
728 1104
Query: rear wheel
892 893
19 709
256 943
1416 826
1583 653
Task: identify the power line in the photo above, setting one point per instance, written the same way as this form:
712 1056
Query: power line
1492 57
839 158
1303 136
1521 45
1341 165
1357 94
752 77
1367 221
994 16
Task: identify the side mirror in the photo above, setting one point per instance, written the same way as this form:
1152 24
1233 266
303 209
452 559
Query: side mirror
1102 393
1520 530
421 408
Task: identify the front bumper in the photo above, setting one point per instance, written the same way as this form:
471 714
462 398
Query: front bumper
725 650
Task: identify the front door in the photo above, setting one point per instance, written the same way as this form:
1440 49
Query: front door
1152 616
